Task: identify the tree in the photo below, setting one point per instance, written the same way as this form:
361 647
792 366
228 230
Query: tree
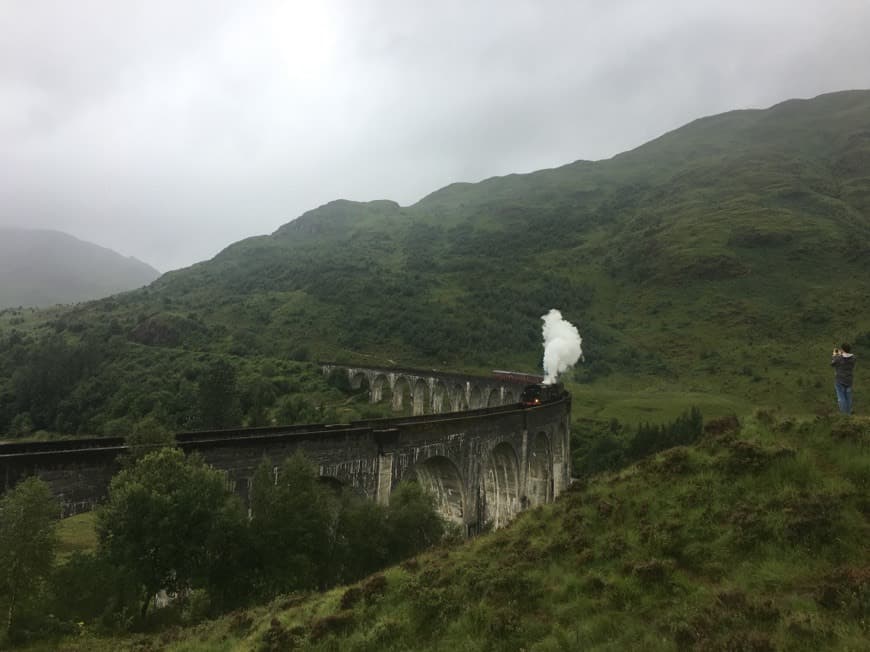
163 519
146 436
607 452
27 542
22 425
649 438
219 396
295 409
361 539
87 587
685 429
46 379
413 522
291 525
258 397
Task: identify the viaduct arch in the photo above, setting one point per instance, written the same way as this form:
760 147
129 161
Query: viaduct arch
483 464
428 391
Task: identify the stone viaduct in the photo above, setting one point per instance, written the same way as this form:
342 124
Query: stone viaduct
483 464
429 392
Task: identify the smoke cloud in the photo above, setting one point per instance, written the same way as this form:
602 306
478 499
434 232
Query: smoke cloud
561 345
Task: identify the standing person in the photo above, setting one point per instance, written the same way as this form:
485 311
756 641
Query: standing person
843 363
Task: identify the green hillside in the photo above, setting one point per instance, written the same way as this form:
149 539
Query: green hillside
724 259
753 539
713 267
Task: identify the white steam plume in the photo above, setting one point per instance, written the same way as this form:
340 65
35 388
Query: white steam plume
561 345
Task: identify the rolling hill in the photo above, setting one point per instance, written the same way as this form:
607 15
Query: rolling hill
722 259
767 212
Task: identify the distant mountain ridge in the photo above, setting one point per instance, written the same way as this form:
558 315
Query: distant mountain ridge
42 268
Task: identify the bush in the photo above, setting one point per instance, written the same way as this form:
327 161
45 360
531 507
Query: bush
607 447
88 588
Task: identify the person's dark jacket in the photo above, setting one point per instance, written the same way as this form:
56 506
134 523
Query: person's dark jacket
843 365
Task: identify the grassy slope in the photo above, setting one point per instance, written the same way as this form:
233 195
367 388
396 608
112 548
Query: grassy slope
76 534
750 540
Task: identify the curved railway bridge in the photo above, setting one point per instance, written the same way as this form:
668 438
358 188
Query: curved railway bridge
429 392
482 455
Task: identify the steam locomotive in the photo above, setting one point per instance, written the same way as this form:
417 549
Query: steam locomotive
535 392
540 393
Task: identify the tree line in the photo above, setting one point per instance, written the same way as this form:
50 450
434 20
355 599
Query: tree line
172 527
84 384
613 445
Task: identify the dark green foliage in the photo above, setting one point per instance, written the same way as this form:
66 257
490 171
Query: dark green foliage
338 379
362 541
413 523
145 437
652 438
218 396
305 535
44 382
606 447
227 553
298 410
164 521
22 425
257 400
88 588
27 541
606 453
366 536
290 526
369 536
171 524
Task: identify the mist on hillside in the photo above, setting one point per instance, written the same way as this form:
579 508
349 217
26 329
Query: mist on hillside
43 268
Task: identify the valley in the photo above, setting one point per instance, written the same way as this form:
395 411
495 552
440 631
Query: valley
718 501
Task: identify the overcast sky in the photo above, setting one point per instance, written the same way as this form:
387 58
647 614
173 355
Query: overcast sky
167 129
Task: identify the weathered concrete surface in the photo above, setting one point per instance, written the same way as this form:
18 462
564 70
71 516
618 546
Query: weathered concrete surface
483 466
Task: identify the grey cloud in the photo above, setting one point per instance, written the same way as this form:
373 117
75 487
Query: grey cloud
167 130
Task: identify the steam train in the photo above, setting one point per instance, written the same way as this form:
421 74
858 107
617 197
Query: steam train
535 392
540 393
